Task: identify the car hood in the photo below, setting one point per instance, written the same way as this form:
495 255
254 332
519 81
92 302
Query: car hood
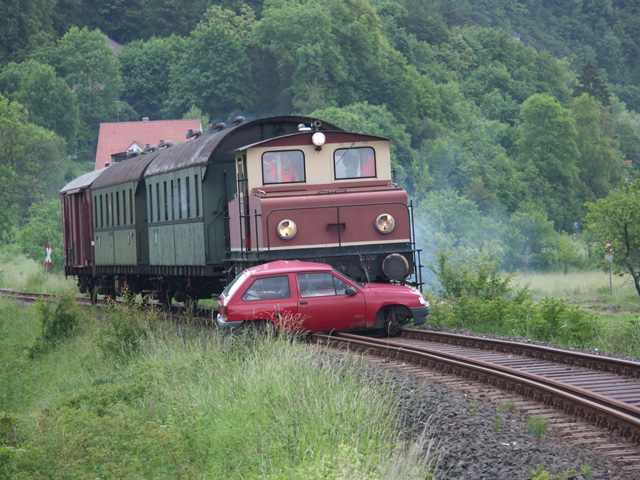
394 291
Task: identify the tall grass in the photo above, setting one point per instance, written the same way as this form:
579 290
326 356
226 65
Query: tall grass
187 404
17 272
480 298
589 289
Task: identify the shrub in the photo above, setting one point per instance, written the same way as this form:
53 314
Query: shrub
59 317
480 298
127 325
476 296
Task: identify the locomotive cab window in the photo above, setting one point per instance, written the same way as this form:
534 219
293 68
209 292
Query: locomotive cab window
283 167
357 162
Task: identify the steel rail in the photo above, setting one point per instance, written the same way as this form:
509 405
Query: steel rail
610 413
557 355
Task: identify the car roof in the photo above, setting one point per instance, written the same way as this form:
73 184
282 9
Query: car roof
287 266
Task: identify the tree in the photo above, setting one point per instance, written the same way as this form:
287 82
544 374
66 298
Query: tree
211 73
145 79
48 99
616 219
87 63
599 164
589 81
26 153
530 239
549 154
324 49
566 252
44 225
23 27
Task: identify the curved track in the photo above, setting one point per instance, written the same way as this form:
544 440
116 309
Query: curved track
601 390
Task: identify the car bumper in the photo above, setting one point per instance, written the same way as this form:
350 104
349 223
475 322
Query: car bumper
228 327
420 314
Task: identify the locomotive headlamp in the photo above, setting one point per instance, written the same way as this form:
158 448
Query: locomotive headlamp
287 229
385 223
318 139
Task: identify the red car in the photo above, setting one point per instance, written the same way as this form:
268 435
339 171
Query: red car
313 297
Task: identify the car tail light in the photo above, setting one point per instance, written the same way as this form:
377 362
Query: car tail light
223 311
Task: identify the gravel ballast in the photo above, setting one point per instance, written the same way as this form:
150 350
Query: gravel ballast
479 439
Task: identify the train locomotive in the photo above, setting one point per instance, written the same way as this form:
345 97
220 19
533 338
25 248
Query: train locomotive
180 221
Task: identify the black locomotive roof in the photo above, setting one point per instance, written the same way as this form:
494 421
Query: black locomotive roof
129 170
297 138
219 146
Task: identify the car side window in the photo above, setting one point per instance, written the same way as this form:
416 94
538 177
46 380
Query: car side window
320 285
268 288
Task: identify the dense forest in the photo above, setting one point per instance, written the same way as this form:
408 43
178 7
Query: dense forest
507 116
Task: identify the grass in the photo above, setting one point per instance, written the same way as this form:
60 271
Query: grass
17 272
590 290
187 404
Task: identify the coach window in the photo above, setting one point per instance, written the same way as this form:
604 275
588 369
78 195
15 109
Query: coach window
158 201
188 193
197 198
151 203
112 211
131 218
101 213
173 203
124 207
166 202
283 167
106 210
180 202
354 163
95 212
117 222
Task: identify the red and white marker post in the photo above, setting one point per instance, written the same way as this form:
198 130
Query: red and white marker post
47 259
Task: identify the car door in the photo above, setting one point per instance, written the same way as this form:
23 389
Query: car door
266 298
325 305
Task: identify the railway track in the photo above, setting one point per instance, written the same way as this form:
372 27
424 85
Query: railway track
28 297
601 391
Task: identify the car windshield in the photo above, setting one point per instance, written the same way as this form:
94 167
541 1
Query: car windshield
347 277
234 285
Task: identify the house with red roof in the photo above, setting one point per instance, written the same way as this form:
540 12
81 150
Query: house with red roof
130 137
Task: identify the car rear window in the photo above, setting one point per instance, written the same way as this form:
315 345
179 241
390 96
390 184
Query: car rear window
268 288
234 285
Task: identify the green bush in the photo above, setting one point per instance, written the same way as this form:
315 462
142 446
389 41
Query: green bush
127 325
59 317
480 298
476 296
